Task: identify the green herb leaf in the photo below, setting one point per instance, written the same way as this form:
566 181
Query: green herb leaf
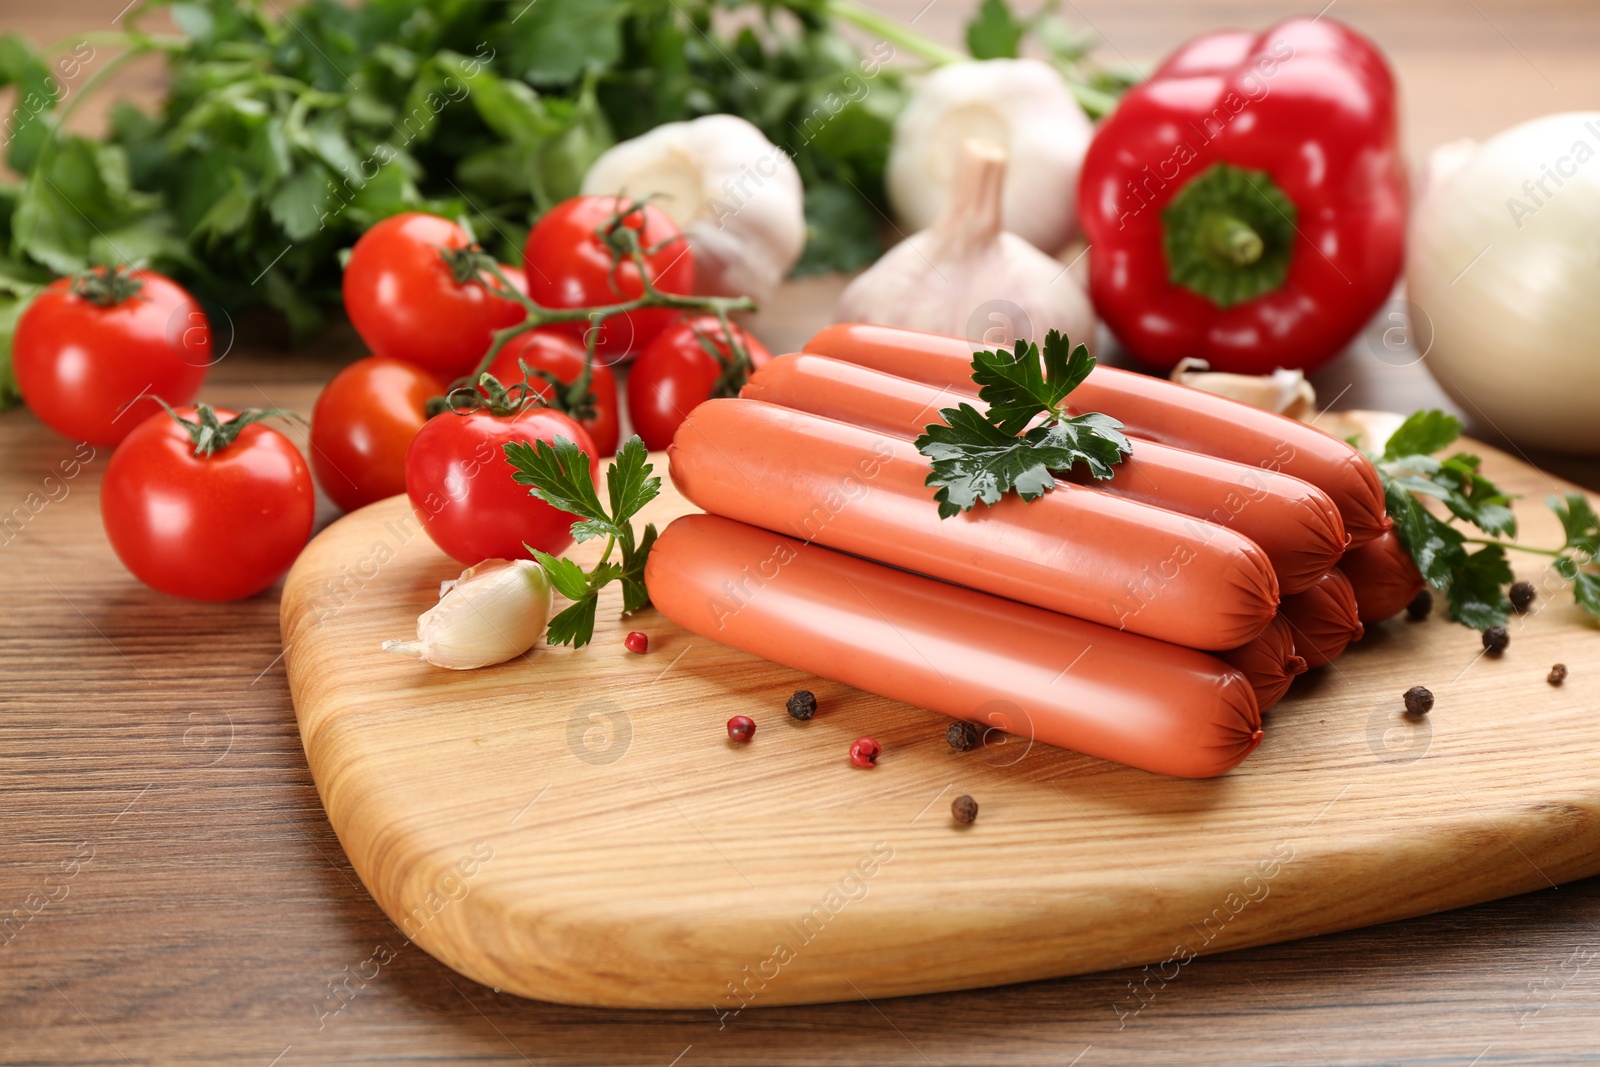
1579 521
634 593
1424 433
841 230
994 32
559 475
1471 496
567 577
974 461
1018 387
978 457
629 482
1435 546
1093 439
1586 589
1477 589
573 625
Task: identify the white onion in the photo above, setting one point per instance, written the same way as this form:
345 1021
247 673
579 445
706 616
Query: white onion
1505 266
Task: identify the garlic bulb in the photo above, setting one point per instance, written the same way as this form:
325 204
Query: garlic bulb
496 610
735 195
966 277
1285 392
1504 265
1023 106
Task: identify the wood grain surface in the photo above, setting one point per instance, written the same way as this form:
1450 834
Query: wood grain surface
216 913
575 825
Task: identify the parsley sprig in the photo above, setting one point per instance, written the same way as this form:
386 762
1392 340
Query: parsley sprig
978 457
559 475
1473 571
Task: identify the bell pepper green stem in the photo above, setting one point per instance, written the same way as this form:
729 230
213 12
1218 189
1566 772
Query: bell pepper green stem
1231 240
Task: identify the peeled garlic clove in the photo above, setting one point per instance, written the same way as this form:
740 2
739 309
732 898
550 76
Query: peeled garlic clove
495 611
1022 105
735 195
966 277
1284 391
1367 430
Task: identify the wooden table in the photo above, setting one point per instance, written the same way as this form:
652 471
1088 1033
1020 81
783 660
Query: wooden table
177 896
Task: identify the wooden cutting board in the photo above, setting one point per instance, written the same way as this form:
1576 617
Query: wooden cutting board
576 826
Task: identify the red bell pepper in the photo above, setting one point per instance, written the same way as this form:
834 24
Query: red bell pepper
1247 204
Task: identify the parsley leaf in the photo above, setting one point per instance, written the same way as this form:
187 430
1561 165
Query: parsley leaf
994 32
1017 387
1471 496
1477 590
1473 582
1580 523
1424 433
1586 589
976 461
559 475
977 457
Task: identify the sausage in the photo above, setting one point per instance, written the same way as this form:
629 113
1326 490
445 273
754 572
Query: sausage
1294 522
1072 550
1163 411
1324 619
994 662
1383 576
1268 663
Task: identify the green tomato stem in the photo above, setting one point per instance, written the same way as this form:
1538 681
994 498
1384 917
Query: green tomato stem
651 297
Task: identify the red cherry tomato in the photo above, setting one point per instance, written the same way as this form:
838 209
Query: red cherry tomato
88 345
546 350
362 425
569 264
676 374
406 301
217 527
461 484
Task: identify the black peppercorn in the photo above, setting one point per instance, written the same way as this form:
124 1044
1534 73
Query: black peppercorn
1558 674
963 736
964 809
1421 605
1419 700
1495 639
802 705
1522 595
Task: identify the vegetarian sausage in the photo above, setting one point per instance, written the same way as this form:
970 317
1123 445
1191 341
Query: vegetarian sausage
1268 663
1383 576
1149 407
1072 550
1324 619
1294 522
994 662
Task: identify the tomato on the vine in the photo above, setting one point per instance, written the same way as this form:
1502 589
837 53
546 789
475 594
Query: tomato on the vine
576 257
543 349
220 525
362 425
462 486
690 363
89 345
415 290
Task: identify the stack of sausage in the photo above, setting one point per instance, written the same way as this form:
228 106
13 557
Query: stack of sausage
1149 618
